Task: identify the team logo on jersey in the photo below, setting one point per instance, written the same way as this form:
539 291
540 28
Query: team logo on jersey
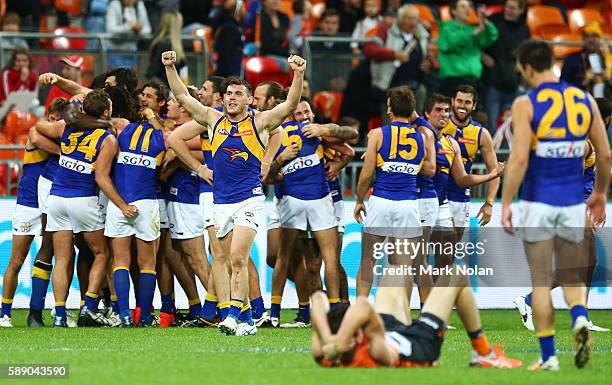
400 167
131 159
461 139
443 150
223 131
235 153
75 165
301 163
561 149
243 133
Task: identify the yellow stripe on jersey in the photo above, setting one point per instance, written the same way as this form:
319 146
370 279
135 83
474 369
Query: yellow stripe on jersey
320 151
160 158
146 141
589 161
251 141
470 138
379 160
35 156
206 145
220 134
135 137
449 153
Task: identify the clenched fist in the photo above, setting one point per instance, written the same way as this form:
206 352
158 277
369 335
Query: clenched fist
297 64
168 58
48 78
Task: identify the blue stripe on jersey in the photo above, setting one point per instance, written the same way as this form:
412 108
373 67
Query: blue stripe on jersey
425 184
183 188
141 149
562 117
444 161
50 169
79 151
305 176
34 161
398 162
335 190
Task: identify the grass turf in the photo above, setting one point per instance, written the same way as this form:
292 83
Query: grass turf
204 356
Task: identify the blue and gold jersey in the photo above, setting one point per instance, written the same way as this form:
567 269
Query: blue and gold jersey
237 153
34 161
141 151
50 168
445 155
398 162
79 151
561 121
329 154
425 184
305 177
208 161
468 137
589 170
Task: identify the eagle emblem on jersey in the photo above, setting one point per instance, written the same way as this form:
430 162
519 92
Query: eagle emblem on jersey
235 153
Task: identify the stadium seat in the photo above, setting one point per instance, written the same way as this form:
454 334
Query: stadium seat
260 68
446 15
286 7
428 19
72 7
18 123
561 51
374 122
493 9
207 34
545 21
579 17
321 99
317 11
65 43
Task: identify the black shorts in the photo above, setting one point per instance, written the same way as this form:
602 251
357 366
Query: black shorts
418 342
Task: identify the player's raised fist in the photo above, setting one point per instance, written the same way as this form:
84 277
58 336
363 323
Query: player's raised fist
297 64
168 58
48 78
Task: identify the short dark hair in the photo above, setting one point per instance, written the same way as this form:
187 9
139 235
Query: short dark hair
605 107
453 3
434 99
348 121
401 100
467 89
126 77
96 102
58 105
275 89
336 315
536 53
161 90
236 81
217 82
521 3
330 12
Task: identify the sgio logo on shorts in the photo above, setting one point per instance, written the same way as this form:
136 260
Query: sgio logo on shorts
75 165
301 163
563 149
400 167
128 158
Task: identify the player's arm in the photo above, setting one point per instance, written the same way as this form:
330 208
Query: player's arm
516 167
597 134
51 130
42 142
200 113
153 119
104 164
269 120
177 142
79 121
330 131
318 316
68 86
274 143
464 179
428 167
487 149
274 175
346 155
367 173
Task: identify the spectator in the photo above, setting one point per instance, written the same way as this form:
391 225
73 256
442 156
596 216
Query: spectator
195 14
350 12
300 24
166 38
274 29
500 77
11 24
587 69
228 43
370 21
18 74
30 12
329 26
460 45
127 19
399 56
94 20
71 68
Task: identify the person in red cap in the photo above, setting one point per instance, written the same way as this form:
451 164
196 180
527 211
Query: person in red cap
71 68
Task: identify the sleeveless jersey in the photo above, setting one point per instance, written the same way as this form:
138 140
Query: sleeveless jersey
34 161
334 185
208 161
589 170
305 176
398 162
444 161
141 151
468 138
562 117
237 153
425 184
77 163
50 168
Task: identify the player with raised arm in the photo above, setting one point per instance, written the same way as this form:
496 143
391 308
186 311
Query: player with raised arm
551 126
237 153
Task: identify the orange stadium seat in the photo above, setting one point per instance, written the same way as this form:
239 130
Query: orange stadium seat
65 43
545 21
18 123
321 100
561 51
579 17
428 19
72 7
493 9
260 68
286 7
446 15
207 34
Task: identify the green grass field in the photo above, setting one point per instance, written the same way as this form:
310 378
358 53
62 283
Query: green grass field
204 356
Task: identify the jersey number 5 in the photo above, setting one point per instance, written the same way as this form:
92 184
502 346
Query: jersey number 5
400 136
289 139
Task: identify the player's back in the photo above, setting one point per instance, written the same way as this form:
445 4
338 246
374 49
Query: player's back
562 116
208 161
34 161
398 162
141 151
79 152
